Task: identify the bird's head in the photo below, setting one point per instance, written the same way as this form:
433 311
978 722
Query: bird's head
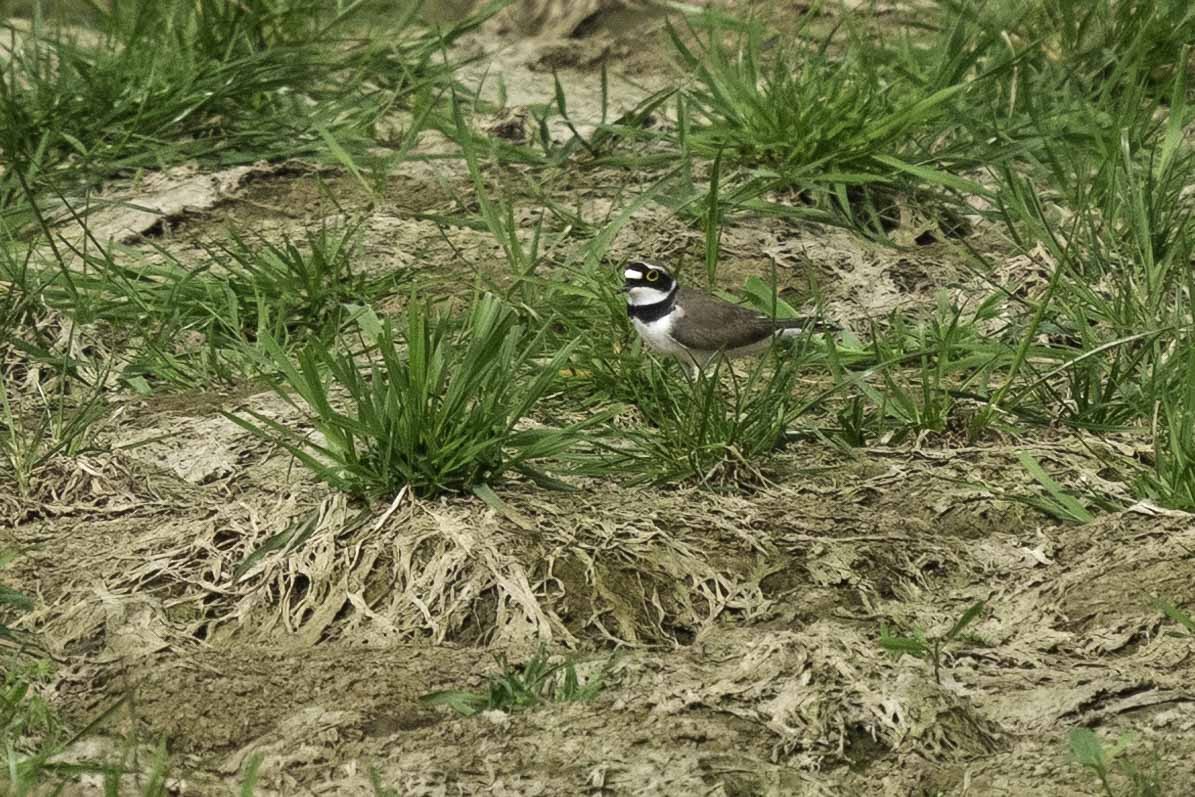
647 284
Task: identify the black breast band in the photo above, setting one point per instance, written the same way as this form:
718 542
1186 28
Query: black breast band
652 312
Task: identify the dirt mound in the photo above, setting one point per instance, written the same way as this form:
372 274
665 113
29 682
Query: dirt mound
307 628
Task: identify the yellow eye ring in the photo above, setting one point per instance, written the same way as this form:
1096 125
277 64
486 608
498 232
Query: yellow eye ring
652 276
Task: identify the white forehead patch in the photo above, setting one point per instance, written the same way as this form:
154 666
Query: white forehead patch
633 273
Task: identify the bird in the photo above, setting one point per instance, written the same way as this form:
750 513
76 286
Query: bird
695 327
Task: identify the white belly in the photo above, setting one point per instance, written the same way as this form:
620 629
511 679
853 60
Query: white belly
658 335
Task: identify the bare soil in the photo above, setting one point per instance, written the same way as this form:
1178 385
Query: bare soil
744 627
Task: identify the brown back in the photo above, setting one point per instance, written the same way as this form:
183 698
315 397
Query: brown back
710 324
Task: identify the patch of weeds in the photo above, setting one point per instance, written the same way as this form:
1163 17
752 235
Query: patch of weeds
1119 276
915 380
845 128
536 682
310 287
436 408
718 428
190 325
1064 82
950 361
1172 480
38 347
497 214
1090 753
1177 615
529 248
933 648
160 83
1109 321
1056 502
22 307
601 147
35 428
1108 344
857 424
1101 42
532 141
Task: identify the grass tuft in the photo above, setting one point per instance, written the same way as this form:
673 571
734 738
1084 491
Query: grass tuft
720 428
434 408
161 83
536 682
189 325
1105 762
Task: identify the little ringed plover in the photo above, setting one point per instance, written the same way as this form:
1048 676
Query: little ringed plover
696 327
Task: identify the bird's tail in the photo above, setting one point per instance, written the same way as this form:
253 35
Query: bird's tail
792 327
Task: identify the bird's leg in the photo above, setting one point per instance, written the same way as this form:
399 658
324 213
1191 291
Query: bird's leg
689 363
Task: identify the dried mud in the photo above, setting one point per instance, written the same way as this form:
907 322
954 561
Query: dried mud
743 628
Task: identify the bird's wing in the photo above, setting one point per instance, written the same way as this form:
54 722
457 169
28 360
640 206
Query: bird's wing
710 324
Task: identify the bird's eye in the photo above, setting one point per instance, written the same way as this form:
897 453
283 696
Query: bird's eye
652 276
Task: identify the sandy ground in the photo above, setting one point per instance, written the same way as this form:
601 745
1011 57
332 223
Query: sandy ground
743 628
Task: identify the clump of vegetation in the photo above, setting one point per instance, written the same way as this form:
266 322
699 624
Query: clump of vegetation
1177 615
816 117
917 645
716 428
516 688
438 407
293 292
35 428
160 83
1106 762
189 325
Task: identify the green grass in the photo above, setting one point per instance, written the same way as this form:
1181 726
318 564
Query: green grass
437 407
516 688
720 428
815 118
33 430
850 128
1117 305
160 83
193 324
51 398
917 645
1112 765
